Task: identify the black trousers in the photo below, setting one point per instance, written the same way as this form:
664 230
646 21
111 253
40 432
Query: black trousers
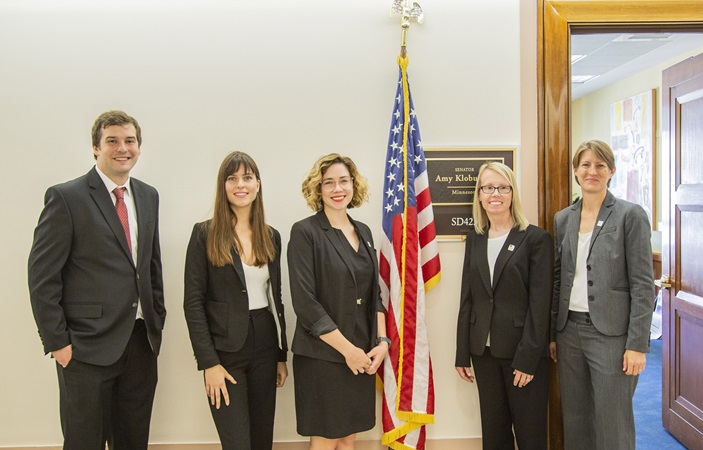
247 423
505 407
112 403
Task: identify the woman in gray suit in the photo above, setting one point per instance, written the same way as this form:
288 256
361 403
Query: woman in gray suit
234 310
340 335
602 306
502 329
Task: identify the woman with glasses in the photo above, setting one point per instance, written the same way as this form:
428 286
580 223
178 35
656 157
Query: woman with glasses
503 325
340 335
234 310
602 307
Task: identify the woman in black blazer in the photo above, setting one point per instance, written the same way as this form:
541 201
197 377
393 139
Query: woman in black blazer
340 335
504 314
234 310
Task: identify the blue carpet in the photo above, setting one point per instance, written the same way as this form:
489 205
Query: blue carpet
647 402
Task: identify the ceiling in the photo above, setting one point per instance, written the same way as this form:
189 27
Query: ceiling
605 58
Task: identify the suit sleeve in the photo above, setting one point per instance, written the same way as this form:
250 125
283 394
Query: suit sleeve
536 332
312 316
195 284
463 355
638 254
283 354
556 281
50 250
157 280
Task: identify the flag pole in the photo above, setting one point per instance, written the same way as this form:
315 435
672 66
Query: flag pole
409 266
407 13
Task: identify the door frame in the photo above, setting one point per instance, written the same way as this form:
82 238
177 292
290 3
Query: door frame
557 20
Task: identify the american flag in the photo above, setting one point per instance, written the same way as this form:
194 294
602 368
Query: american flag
409 265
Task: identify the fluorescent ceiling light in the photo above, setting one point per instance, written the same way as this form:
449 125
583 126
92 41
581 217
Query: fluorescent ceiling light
582 78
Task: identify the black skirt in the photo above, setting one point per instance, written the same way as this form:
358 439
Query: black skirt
330 401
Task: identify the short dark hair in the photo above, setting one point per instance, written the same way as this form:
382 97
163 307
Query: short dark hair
110 118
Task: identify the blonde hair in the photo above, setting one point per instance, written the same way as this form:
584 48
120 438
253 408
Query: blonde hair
481 222
313 181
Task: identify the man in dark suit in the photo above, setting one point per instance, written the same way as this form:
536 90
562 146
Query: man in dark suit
97 292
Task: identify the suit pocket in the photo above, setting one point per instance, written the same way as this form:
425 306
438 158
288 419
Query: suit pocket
217 313
608 230
82 311
621 289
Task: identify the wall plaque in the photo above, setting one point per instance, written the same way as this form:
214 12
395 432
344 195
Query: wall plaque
452 174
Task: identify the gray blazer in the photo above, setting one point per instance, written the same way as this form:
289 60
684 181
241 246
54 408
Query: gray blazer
83 282
323 286
619 266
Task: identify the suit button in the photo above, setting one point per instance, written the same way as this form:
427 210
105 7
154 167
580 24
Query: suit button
588 267
590 283
590 298
490 299
588 321
358 301
134 305
137 276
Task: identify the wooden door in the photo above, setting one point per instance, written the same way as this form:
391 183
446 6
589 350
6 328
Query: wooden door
682 251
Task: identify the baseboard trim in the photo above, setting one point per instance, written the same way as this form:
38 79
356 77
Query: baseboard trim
433 444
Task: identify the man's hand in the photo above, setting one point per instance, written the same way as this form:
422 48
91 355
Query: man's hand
63 355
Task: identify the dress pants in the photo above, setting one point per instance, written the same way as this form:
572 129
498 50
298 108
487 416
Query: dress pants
247 423
112 403
506 408
596 395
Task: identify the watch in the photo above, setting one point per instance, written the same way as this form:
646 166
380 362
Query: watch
383 339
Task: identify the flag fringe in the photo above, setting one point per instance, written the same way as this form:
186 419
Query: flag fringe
432 282
390 438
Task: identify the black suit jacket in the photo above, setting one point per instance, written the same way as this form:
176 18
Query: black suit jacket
323 286
83 283
216 302
515 308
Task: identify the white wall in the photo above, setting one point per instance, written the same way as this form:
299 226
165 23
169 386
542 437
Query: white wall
286 81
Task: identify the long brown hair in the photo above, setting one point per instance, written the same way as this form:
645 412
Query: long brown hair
222 237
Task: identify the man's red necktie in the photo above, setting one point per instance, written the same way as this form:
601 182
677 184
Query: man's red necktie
121 208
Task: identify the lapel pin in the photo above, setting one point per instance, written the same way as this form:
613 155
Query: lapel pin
600 223
511 247
368 243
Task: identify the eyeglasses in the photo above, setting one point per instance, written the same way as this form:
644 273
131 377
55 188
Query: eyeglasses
501 189
344 183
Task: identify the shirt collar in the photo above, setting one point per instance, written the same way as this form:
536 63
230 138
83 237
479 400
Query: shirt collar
110 185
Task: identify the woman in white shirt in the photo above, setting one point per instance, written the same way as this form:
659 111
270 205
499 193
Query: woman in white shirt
602 306
234 309
502 331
